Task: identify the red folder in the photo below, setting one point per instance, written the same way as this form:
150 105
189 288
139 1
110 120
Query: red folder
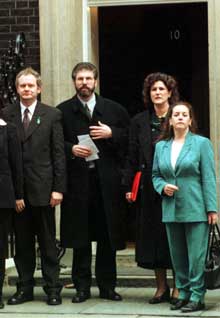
135 186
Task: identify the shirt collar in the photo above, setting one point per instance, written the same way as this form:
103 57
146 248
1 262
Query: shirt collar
90 103
31 108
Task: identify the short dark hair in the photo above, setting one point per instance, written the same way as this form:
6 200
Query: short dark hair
167 132
84 66
168 80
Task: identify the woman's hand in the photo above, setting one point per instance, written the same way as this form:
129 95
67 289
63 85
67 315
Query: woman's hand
169 189
212 217
19 205
128 197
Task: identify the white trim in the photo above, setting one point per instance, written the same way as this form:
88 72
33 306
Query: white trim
106 3
85 31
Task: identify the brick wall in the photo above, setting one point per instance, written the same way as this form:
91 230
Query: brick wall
21 16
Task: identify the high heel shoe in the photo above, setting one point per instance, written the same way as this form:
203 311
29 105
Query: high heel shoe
161 299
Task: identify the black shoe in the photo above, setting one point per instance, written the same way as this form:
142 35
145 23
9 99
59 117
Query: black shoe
81 296
161 299
20 297
179 304
54 299
193 306
110 295
173 300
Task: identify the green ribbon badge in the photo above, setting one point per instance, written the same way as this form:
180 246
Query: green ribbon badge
38 120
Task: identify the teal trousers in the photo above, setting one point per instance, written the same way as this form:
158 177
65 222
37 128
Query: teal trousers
188 246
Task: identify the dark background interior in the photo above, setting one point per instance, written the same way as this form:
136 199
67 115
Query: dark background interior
137 40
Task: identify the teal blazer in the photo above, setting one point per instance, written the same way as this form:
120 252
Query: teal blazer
194 175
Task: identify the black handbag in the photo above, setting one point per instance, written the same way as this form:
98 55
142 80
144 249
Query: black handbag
212 265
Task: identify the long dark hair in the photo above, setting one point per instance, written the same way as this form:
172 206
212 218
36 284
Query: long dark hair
167 132
168 80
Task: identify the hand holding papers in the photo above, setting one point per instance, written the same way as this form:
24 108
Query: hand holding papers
85 140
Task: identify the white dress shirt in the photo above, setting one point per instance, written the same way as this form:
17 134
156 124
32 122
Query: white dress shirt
90 103
175 151
31 109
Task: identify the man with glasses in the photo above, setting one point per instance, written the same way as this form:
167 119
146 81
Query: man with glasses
95 133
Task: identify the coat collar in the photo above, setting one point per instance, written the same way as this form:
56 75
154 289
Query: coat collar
35 121
78 107
185 149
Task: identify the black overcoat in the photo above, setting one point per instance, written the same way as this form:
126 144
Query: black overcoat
152 249
42 151
74 208
11 172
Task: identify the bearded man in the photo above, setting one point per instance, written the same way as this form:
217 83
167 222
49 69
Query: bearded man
93 207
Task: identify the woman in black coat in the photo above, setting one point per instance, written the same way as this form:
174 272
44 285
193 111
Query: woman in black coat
11 187
152 251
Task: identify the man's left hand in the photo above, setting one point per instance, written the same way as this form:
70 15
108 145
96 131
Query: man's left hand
101 131
56 198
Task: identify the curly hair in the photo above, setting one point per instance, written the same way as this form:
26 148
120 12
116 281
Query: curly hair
168 80
168 132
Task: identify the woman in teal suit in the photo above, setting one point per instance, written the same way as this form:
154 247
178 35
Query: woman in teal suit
184 174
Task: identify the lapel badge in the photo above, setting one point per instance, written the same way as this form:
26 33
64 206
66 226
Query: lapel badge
38 120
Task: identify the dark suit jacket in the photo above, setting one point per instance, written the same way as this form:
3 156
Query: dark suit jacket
43 152
74 209
11 176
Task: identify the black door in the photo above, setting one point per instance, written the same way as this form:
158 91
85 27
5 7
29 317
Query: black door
137 40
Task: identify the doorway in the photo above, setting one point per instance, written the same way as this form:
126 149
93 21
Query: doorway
137 40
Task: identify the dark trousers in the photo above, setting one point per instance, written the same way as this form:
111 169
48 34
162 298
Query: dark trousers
2 275
5 218
105 265
40 222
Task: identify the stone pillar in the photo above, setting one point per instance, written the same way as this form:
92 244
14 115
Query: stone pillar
214 80
60 47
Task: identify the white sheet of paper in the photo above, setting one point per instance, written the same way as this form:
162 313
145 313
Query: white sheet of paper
86 140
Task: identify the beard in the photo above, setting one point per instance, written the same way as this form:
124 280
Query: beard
85 92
